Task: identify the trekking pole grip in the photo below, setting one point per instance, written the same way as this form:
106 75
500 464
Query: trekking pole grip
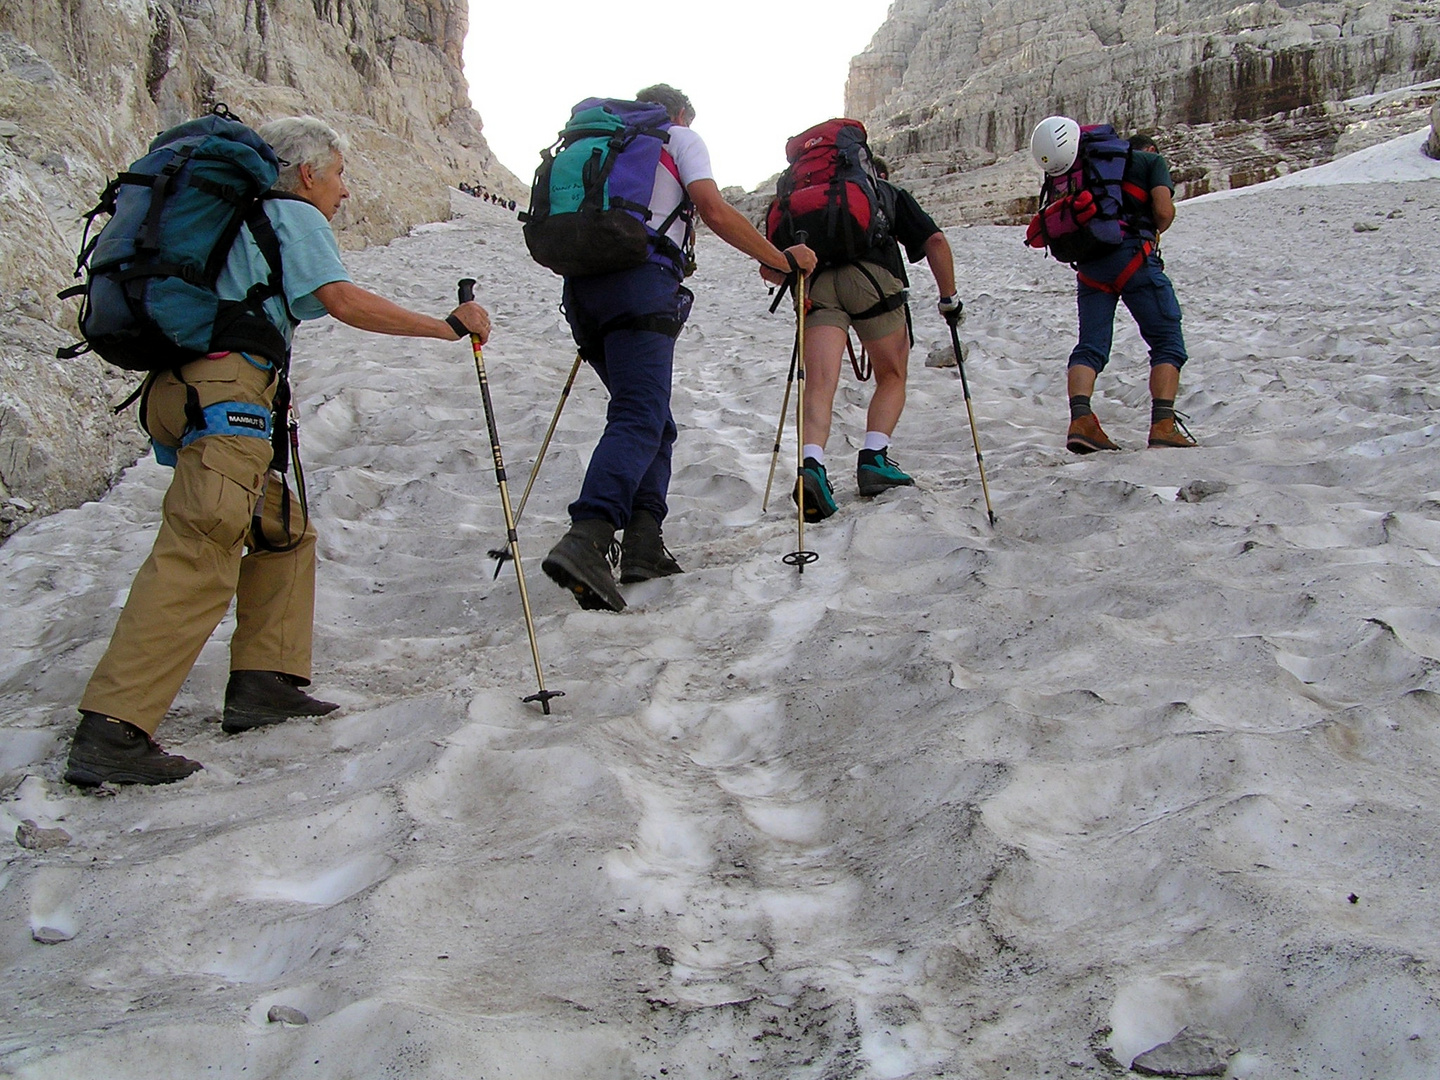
466 287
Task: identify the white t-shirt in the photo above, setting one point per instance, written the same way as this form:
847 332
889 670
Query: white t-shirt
692 160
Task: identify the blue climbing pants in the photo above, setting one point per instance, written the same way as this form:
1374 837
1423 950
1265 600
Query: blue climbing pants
625 325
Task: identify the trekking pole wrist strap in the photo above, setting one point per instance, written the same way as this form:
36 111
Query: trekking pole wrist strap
458 326
790 262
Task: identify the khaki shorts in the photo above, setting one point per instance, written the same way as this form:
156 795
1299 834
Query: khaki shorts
837 293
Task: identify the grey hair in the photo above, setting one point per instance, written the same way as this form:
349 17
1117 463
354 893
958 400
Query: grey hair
675 102
301 140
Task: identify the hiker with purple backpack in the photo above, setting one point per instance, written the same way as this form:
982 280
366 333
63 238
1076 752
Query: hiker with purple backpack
611 210
1104 203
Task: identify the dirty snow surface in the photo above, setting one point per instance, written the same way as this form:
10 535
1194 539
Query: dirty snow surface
1156 752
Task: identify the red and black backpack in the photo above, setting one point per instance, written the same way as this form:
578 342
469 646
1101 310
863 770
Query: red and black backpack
831 194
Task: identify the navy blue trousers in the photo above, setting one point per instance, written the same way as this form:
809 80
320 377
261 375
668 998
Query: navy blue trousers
625 325
1148 294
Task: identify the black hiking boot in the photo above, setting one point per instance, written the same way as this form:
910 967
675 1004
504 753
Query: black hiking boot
580 562
643 554
260 698
109 751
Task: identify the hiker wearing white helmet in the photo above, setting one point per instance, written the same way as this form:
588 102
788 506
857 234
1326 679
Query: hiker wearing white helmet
1105 202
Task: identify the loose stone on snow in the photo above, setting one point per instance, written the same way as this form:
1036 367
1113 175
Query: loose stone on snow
1190 1053
286 1014
29 835
1196 490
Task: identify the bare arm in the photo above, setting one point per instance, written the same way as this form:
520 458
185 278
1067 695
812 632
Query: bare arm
1162 204
732 227
942 263
366 310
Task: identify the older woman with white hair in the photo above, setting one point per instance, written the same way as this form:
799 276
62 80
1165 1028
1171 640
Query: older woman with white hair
230 529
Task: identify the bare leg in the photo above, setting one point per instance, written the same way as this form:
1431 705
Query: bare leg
824 346
889 360
1080 379
1164 381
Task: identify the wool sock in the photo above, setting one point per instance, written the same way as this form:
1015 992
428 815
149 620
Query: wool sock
1079 406
1162 409
876 440
816 452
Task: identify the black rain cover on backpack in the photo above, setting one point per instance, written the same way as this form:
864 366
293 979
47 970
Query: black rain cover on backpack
150 302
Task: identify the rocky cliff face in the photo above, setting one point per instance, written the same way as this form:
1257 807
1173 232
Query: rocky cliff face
85 84
1238 94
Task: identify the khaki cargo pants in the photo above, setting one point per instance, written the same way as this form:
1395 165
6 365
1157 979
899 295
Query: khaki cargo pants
203 558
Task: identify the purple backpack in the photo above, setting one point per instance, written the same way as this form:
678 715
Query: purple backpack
590 202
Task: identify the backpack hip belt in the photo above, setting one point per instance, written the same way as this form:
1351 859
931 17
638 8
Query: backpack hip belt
1114 288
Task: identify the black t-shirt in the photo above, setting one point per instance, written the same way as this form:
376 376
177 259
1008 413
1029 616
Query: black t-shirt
910 226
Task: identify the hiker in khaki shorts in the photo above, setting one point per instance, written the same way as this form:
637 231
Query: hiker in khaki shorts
208 551
870 294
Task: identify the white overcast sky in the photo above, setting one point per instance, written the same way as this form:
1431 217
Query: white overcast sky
757 71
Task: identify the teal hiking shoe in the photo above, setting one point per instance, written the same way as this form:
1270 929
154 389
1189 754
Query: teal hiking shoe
812 491
876 473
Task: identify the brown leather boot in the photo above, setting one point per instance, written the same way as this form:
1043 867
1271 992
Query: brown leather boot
1170 432
260 698
1085 436
110 751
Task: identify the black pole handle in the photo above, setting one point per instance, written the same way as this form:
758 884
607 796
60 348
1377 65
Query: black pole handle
467 290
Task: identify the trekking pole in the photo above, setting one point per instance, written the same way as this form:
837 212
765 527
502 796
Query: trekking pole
974 435
543 696
501 555
800 558
780 428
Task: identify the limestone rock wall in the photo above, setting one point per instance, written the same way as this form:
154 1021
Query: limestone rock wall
85 84
1238 93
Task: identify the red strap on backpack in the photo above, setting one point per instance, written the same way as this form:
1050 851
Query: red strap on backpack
1114 287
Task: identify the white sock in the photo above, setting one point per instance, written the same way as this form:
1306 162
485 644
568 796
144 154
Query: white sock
816 452
876 440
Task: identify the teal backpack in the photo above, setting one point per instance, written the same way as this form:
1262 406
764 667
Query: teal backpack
149 300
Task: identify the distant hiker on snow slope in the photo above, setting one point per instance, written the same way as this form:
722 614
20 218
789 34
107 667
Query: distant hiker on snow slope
861 280
630 172
204 416
1105 203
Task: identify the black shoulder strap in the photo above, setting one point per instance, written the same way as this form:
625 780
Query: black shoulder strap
269 245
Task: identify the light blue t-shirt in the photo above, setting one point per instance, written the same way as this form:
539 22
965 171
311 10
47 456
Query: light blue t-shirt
309 258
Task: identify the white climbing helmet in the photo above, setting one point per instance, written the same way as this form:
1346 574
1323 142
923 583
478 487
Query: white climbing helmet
1055 143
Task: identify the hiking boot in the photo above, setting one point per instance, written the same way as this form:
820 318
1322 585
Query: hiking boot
580 562
110 751
643 554
260 698
819 499
1085 436
876 473
1171 432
